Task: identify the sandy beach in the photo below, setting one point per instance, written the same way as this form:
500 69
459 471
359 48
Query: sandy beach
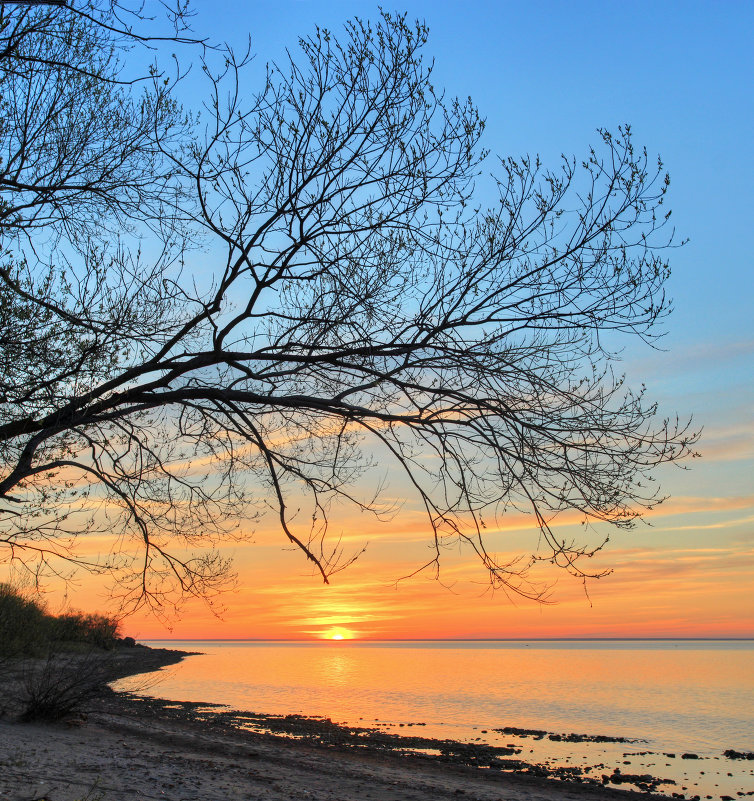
125 748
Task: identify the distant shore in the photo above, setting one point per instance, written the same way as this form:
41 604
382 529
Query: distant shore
128 747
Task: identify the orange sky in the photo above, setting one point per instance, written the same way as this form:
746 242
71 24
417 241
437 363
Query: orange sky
688 572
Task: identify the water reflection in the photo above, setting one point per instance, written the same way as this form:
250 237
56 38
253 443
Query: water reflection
337 670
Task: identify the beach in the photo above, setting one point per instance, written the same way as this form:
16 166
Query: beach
125 747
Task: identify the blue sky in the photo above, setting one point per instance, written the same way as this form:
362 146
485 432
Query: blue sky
547 74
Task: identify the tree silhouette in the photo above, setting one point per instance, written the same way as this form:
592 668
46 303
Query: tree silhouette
211 316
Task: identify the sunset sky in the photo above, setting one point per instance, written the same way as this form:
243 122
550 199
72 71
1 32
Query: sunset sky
546 76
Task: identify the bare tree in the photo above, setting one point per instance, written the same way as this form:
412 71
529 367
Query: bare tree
209 317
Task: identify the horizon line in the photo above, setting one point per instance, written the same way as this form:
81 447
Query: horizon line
451 639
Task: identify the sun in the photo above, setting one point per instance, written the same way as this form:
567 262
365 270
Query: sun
338 633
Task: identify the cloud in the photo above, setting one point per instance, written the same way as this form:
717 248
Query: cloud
728 443
687 359
674 568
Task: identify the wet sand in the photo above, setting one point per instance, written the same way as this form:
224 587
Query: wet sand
127 747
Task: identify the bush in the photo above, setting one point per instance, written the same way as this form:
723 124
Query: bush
28 630
96 630
25 627
62 683
52 664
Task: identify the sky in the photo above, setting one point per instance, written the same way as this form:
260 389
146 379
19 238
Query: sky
546 76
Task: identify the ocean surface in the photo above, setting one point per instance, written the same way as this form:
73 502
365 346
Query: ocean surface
673 697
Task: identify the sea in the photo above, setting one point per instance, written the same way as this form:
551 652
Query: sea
680 704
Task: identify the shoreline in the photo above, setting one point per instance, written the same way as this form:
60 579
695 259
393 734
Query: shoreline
189 750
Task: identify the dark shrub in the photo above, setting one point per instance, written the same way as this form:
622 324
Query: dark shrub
61 684
25 627
93 629
55 664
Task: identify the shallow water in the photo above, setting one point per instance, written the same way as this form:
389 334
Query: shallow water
674 697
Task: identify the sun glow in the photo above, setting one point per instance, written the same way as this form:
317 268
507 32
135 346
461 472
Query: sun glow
338 634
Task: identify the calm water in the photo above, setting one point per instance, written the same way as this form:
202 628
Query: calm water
675 696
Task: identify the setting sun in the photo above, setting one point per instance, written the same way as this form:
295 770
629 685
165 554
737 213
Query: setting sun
338 634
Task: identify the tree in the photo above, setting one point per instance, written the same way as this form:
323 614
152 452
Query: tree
212 316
